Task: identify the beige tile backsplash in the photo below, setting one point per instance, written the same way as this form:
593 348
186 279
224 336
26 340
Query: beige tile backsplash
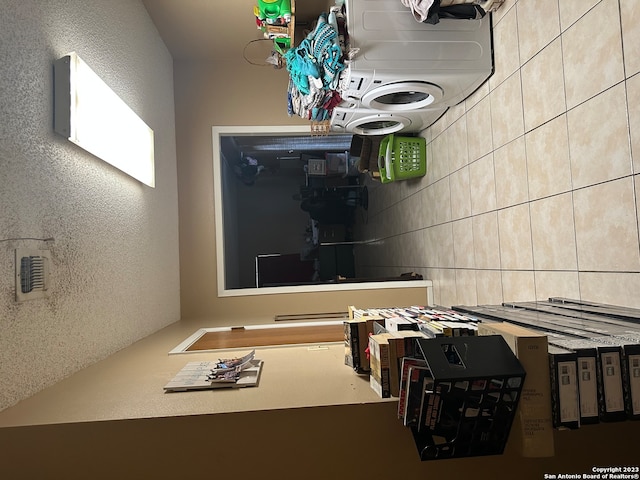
543 86
506 111
592 66
630 15
606 227
553 233
599 138
548 166
536 29
510 165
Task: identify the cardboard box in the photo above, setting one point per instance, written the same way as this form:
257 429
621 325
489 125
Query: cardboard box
379 363
400 345
533 427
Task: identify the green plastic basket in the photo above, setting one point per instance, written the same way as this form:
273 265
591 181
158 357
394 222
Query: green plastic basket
401 158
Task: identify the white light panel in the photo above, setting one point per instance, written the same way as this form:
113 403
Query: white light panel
92 116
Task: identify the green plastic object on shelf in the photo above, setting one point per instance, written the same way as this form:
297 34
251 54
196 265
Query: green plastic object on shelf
282 44
270 10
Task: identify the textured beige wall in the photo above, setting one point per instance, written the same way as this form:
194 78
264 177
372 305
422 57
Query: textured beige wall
235 93
114 275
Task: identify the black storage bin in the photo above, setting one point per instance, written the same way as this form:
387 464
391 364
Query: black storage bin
469 403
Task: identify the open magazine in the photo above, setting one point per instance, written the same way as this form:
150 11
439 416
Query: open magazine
234 372
229 369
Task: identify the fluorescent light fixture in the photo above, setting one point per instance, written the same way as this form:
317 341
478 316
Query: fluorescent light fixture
91 115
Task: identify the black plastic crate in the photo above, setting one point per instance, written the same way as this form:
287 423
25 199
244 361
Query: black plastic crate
470 400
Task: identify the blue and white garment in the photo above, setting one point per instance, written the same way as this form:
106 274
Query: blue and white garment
314 68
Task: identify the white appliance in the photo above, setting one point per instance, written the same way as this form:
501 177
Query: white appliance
364 121
402 64
384 90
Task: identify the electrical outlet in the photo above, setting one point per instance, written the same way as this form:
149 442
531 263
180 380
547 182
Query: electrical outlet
32 273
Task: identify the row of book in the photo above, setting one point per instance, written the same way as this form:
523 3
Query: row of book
377 339
594 356
432 321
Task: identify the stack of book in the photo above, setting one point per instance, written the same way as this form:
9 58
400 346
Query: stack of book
594 356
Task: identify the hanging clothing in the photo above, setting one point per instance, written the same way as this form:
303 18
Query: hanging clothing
461 11
419 8
431 11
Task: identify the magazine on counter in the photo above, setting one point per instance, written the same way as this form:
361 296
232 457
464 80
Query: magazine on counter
225 373
236 363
